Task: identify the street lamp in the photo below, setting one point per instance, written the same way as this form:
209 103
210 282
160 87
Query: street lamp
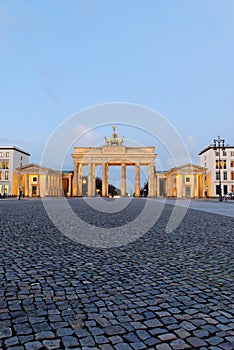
218 144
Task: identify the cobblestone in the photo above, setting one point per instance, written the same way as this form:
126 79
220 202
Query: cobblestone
163 291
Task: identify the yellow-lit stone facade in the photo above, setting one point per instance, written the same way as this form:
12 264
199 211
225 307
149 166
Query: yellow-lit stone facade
115 155
186 181
39 181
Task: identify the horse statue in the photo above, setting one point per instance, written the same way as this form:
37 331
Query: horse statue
114 139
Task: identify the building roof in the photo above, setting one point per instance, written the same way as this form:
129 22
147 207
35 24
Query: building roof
188 166
212 146
14 148
38 167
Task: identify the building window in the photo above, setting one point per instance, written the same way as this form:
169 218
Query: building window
232 175
217 153
204 157
6 189
224 153
21 158
232 164
0 175
34 179
1 155
225 175
187 179
7 154
232 154
7 175
217 189
34 190
217 176
225 189
4 164
223 164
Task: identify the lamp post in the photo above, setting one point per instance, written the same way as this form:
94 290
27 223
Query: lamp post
218 144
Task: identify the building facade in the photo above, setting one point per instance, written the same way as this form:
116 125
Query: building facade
11 157
186 181
115 155
38 181
220 167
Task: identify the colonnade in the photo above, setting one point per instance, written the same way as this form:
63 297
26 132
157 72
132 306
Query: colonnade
77 178
46 184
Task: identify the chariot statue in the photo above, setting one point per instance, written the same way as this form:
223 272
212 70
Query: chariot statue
114 139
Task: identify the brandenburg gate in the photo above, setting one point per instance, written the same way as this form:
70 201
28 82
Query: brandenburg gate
113 153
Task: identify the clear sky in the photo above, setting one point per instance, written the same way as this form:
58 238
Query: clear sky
59 57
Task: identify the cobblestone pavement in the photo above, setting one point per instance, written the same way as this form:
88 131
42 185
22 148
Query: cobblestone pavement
163 291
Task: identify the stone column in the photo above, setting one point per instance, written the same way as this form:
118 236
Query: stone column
79 179
75 180
49 185
46 185
69 186
19 187
104 180
203 187
93 179
183 186
123 179
26 185
90 179
151 180
38 185
137 180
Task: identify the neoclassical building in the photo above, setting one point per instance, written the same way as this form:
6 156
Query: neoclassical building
115 155
183 181
38 181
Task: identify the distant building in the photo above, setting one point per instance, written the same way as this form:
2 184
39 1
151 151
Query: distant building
186 181
209 158
39 181
11 157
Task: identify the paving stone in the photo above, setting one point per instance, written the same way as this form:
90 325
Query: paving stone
163 347
51 344
167 337
116 339
179 344
35 345
196 342
114 330
153 323
5 332
182 333
142 334
155 293
11 341
64 331
44 335
41 327
214 340
106 347
70 341
138 345
123 346
87 341
101 339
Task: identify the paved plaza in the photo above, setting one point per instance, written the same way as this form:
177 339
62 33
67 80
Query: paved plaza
162 291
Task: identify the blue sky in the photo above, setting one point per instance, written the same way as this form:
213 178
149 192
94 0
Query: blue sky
59 57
